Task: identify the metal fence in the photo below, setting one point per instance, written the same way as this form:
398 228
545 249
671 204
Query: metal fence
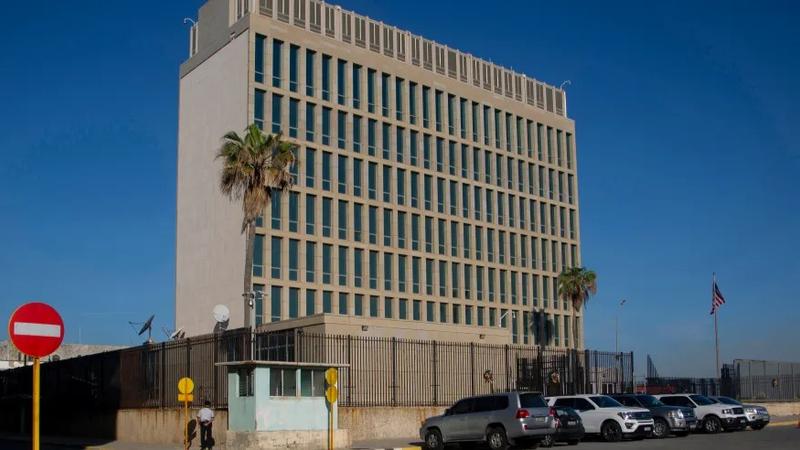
376 371
403 372
765 380
683 385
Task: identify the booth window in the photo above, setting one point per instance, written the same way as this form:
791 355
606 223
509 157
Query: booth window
312 383
245 382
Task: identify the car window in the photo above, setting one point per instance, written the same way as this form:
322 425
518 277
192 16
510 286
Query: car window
531 401
568 402
500 402
604 401
462 407
702 400
677 400
627 401
564 412
649 401
483 404
581 404
729 401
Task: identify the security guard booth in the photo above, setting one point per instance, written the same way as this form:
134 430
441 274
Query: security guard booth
266 399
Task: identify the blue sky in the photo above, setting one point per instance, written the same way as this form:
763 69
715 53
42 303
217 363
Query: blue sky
686 133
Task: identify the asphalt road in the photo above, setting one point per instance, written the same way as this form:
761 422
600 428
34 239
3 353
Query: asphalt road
771 438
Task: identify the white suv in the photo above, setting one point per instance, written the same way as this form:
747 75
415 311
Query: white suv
605 416
713 417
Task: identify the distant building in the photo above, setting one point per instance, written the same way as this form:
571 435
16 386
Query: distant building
436 195
11 358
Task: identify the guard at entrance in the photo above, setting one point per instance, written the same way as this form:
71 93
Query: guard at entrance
205 417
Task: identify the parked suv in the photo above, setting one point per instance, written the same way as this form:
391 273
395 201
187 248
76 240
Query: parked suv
666 419
714 417
605 416
499 420
757 416
569 428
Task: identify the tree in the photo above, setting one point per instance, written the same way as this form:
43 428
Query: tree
255 166
576 285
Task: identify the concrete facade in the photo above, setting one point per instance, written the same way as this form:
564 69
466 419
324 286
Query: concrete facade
436 193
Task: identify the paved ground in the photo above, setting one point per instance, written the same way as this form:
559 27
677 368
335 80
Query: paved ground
770 438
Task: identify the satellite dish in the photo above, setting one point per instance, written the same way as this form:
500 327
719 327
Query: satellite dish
221 314
148 325
177 334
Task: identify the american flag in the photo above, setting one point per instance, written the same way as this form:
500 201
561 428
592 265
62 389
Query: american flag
717 299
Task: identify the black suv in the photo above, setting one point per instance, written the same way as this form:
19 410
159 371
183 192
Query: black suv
675 419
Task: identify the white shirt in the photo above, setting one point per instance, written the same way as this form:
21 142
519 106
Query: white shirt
205 415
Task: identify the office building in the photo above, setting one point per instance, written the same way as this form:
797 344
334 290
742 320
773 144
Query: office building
436 195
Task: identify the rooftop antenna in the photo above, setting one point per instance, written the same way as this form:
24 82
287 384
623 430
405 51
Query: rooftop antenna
222 316
146 326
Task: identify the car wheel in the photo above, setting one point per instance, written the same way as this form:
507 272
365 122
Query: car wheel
660 428
759 426
712 425
611 431
433 440
548 441
497 439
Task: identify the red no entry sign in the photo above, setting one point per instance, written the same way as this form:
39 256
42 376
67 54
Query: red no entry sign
36 329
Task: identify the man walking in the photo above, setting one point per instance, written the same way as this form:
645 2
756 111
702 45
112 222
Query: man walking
205 417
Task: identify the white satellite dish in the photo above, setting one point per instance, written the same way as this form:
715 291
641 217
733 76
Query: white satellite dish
177 334
221 313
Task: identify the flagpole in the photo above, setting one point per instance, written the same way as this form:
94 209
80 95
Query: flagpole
716 330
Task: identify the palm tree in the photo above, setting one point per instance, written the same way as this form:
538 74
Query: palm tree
576 285
255 165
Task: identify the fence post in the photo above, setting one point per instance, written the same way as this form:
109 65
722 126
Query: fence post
188 358
435 381
214 371
508 370
163 374
394 371
349 371
472 366
633 382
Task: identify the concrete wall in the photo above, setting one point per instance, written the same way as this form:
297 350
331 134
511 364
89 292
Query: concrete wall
210 248
157 426
379 423
780 408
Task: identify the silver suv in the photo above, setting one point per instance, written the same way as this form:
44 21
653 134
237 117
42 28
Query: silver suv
499 420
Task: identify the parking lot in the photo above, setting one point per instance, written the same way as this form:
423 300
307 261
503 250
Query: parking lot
772 438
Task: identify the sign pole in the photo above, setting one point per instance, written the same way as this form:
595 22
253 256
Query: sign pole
330 427
36 393
186 423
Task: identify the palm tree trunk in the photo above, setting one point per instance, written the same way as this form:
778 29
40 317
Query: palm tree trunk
248 274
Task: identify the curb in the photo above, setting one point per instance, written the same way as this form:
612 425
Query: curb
785 423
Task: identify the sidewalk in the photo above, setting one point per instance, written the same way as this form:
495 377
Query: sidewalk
411 443
87 443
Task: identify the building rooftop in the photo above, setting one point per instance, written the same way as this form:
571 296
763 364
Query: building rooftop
334 22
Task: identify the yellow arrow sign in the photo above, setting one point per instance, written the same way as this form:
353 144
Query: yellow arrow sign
185 385
331 376
332 394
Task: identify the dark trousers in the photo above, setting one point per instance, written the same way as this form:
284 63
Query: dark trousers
206 439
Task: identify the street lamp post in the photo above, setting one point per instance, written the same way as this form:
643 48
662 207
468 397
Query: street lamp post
616 326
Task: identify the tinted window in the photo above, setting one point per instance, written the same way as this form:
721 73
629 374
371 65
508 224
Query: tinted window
462 407
567 402
483 404
729 401
581 404
604 401
677 401
565 412
627 401
531 401
500 402
649 401
701 400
